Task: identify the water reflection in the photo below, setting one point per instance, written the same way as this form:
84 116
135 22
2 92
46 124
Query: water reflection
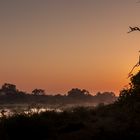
6 112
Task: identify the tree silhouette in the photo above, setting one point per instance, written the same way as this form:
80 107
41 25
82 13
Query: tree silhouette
105 96
135 81
38 92
132 93
9 89
75 92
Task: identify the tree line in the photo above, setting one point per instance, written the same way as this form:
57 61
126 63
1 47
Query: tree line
116 121
9 92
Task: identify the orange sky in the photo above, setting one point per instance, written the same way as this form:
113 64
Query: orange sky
61 44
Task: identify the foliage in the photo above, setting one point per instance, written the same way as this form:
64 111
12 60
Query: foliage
131 94
38 92
120 120
75 92
9 94
9 89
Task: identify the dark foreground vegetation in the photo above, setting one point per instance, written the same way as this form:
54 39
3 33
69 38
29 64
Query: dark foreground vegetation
119 120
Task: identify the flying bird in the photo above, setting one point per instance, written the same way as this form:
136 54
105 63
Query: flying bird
133 29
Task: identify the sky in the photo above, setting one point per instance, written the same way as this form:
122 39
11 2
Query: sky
58 45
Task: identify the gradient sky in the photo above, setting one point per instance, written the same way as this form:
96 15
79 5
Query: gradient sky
62 44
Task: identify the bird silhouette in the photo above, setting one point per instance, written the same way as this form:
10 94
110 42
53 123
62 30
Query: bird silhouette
133 29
